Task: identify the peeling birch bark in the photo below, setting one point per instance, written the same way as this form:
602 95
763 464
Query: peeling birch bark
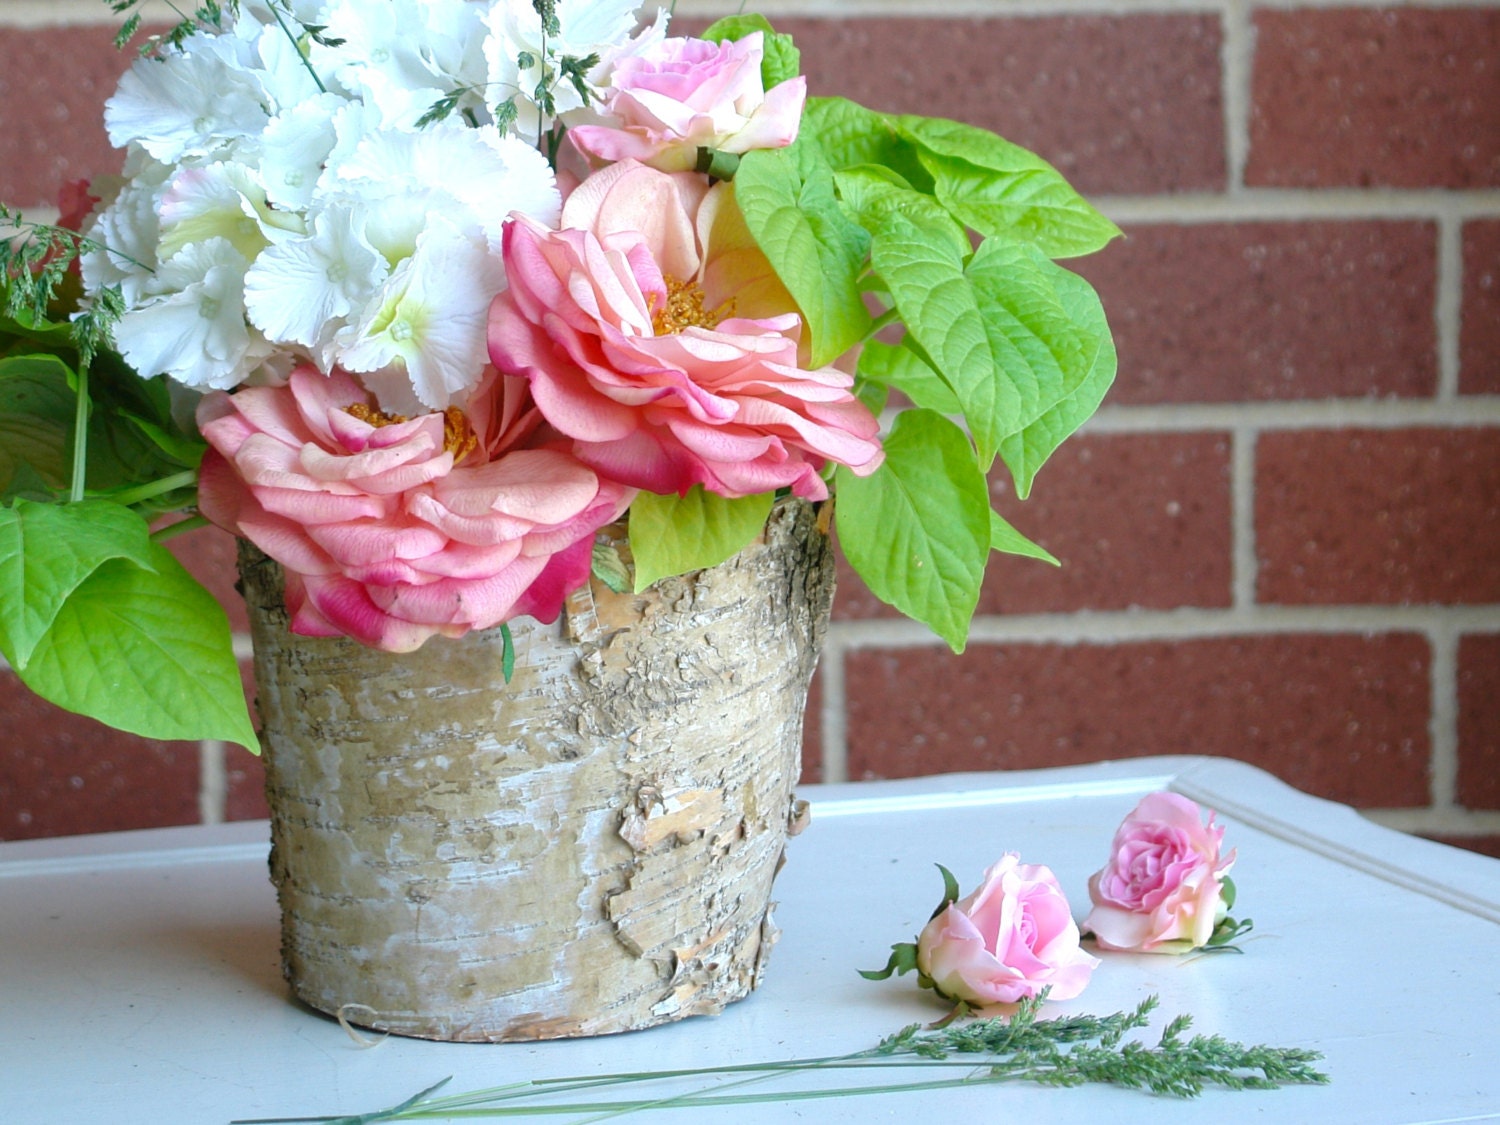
589 849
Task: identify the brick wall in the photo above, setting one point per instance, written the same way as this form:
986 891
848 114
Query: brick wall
1282 533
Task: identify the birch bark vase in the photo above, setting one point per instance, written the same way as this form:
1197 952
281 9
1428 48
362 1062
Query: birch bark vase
588 849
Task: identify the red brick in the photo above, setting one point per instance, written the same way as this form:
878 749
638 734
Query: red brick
209 556
1137 520
1343 717
245 785
1234 312
1479 324
1378 516
1484 845
62 774
1399 97
1117 104
812 732
53 82
1479 722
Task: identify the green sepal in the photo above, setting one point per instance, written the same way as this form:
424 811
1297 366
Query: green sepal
903 960
950 892
672 535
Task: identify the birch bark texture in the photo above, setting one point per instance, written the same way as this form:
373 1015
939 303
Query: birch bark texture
588 849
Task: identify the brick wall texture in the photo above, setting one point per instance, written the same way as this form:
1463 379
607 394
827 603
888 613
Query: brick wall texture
1281 536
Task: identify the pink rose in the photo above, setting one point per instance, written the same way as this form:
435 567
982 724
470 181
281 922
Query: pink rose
680 95
393 530
1006 941
1162 890
657 337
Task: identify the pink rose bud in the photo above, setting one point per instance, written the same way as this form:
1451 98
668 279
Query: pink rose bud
1006 941
1163 889
685 94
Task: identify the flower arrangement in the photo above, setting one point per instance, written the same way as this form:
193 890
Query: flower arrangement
417 295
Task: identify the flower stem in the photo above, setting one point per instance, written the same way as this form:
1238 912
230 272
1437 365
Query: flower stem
153 488
80 438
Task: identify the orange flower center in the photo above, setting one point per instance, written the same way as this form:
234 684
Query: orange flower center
459 437
683 308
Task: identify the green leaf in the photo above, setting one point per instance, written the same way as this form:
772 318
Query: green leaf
899 366
1007 540
850 135
1084 386
781 59
36 413
672 535
146 651
46 552
999 188
994 329
609 568
873 192
789 204
917 530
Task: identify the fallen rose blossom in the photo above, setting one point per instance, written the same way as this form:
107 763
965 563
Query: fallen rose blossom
656 336
1162 890
1006 941
393 530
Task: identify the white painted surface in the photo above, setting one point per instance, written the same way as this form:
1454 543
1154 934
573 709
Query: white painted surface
139 978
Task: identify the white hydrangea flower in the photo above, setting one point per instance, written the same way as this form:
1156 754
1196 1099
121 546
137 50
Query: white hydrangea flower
194 329
424 334
127 229
280 202
301 291
191 104
294 148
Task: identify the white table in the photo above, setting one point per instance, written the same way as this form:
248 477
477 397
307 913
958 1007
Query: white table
139 978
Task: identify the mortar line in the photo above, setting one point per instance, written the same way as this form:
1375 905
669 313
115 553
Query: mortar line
1293 204
1443 722
833 719
1335 414
1243 560
1237 53
1134 625
1447 822
1447 304
213 782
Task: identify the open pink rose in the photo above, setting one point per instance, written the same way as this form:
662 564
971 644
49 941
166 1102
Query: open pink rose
656 336
683 94
1007 941
1162 889
393 530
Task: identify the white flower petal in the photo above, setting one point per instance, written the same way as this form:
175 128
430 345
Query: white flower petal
300 291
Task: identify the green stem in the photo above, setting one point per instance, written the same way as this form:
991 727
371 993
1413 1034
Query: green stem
80 438
306 62
181 527
153 488
884 320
